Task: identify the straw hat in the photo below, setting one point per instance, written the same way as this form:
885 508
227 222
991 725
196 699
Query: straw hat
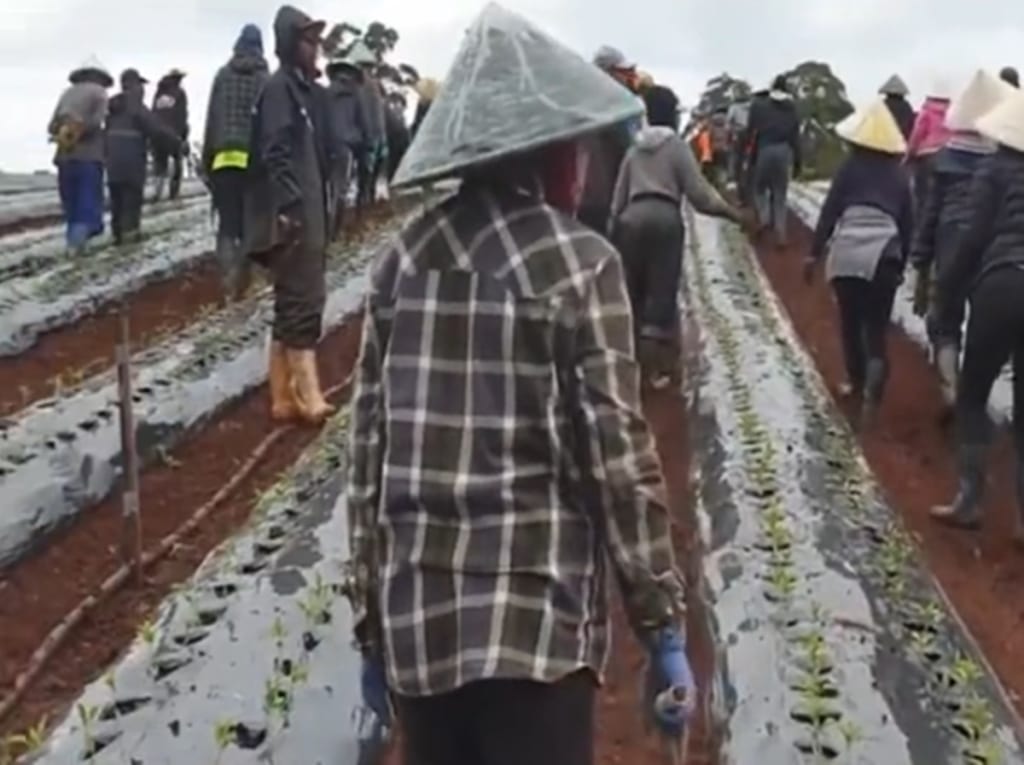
426 88
1005 123
92 68
873 127
984 92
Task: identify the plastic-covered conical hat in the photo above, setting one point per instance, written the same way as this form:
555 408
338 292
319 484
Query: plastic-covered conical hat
873 127
92 66
894 86
1005 123
361 55
984 92
511 88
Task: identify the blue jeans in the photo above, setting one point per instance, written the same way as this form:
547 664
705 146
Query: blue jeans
81 196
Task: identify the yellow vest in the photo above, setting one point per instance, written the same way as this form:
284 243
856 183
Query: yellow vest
231 158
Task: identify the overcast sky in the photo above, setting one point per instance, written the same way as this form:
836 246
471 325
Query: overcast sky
682 42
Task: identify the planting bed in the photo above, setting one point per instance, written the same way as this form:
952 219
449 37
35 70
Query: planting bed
914 456
63 455
833 642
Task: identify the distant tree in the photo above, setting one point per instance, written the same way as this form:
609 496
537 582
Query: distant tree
382 40
822 101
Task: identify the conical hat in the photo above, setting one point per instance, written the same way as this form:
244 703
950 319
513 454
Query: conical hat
873 127
511 88
894 86
1005 123
93 65
361 55
982 95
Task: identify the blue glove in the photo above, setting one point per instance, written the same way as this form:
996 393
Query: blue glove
672 691
373 682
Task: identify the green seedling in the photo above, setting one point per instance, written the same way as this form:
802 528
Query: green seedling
88 714
26 744
147 632
224 734
965 671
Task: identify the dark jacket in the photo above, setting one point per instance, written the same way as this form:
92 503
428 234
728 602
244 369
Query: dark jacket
422 107
232 96
903 113
288 169
398 137
947 208
170 104
131 131
774 121
994 237
348 118
606 150
872 179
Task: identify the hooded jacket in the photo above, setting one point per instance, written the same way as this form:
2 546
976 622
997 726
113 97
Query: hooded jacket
349 131
132 129
930 132
84 103
288 171
902 112
660 164
774 120
229 114
171 105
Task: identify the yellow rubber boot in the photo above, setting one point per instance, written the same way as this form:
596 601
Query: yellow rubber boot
283 405
305 383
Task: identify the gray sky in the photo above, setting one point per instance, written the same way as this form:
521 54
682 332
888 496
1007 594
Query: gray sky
682 42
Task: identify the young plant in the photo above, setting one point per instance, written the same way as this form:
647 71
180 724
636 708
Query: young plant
88 714
224 733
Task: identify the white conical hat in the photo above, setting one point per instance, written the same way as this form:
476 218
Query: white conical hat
894 86
512 88
984 92
93 65
873 127
1005 123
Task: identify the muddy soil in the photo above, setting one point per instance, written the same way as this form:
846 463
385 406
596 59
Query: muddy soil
42 589
66 356
912 453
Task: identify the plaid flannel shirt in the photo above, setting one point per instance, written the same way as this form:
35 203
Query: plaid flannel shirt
498 451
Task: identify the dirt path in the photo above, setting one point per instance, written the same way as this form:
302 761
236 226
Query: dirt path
38 592
912 455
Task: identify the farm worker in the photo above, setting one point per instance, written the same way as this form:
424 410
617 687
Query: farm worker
644 82
895 92
775 128
702 147
718 129
171 105
131 131
988 269
946 215
77 130
349 131
1010 75
865 228
286 214
606 149
372 98
396 130
226 150
426 91
484 499
658 173
928 136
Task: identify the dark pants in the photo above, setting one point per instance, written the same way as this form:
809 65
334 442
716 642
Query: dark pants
995 335
865 308
161 162
125 209
649 236
341 176
229 198
771 187
299 295
502 722
367 172
922 178
594 217
80 184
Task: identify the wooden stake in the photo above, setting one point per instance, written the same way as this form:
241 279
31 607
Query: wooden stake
131 522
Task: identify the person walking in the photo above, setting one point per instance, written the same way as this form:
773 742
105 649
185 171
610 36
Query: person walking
372 103
170 104
895 92
349 131
397 132
988 270
929 135
775 134
738 118
946 215
286 226
131 131
76 128
657 175
865 226
499 457
225 157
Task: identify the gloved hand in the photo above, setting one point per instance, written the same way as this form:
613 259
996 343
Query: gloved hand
921 288
810 266
671 690
289 221
373 683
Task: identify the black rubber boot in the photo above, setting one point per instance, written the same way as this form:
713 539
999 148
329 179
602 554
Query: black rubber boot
874 387
965 512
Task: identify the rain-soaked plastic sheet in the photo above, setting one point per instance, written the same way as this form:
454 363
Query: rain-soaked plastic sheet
511 88
833 642
61 456
806 201
252 661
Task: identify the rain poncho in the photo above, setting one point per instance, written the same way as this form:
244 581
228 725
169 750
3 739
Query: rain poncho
512 88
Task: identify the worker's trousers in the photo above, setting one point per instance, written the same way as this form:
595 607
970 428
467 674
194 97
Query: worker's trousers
125 210
502 722
771 187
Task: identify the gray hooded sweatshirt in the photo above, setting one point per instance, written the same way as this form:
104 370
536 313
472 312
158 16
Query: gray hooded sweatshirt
661 164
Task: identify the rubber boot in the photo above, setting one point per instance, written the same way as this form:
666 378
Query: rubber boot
282 400
947 363
227 261
965 512
305 384
874 386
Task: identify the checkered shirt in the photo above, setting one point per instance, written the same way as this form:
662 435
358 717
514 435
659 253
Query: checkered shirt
499 458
